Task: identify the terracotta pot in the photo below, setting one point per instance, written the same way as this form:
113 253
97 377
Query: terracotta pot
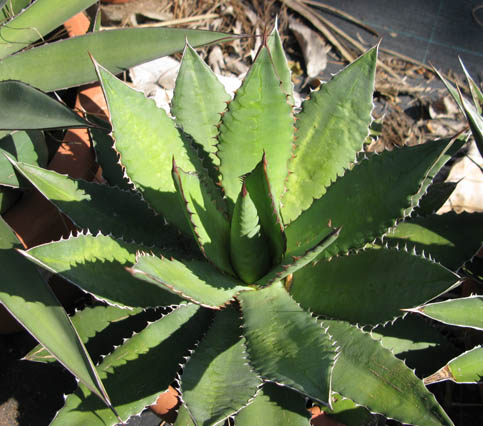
166 405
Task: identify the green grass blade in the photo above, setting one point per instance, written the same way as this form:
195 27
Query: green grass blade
258 120
363 203
139 370
287 345
331 129
66 63
405 280
210 227
196 281
196 113
97 265
371 376
100 207
36 21
274 406
465 368
156 134
89 322
463 312
26 108
216 381
450 238
28 147
34 305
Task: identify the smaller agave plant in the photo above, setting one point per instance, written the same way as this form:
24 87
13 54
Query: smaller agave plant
254 225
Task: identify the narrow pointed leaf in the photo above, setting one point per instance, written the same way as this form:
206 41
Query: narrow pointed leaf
210 228
66 63
465 368
434 199
293 264
155 133
383 281
258 120
97 265
28 147
371 376
476 93
11 8
36 21
450 238
193 280
348 413
274 44
249 246
106 155
34 305
294 350
88 322
196 113
424 351
26 108
364 204
331 129
274 406
217 380
139 370
100 207
259 188
463 312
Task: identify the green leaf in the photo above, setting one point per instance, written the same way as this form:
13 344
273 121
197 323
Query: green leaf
216 381
465 368
274 406
371 286
28 147
249 246
100 207
66 63
97 265
106 155
194 280
292 265
88 323
258 120
348 412
331 129
139 370
274 44
36 21
476 93
259 188
34 305
11 8
434 199
362 203
371 376
209 226
416 341
26 108
183 418
463 312
286 344
132 113
196 113
450 238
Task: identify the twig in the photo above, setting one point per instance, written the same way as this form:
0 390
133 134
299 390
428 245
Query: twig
315 21
342 14
180 21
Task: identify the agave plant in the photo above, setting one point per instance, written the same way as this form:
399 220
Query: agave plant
254 225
